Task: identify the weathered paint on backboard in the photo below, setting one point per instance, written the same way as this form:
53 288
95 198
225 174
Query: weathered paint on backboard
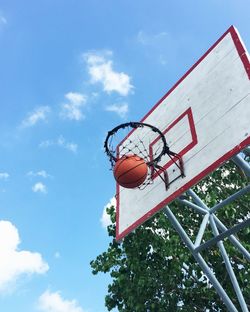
205 117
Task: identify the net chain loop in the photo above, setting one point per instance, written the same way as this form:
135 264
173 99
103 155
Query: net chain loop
139 147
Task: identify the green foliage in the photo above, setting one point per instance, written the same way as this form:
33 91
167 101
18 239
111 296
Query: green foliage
151 268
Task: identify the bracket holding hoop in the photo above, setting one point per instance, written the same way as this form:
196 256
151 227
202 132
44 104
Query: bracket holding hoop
160 171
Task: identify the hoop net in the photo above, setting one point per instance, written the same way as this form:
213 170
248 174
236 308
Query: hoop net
124 141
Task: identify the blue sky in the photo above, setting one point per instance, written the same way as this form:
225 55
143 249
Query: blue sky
69 72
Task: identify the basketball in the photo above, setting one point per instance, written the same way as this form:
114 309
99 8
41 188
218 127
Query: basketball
130 171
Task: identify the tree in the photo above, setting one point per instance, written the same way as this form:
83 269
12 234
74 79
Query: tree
153 271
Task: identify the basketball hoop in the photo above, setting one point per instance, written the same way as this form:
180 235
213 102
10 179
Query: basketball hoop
123 141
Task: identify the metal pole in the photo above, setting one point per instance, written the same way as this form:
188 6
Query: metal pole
239 161
201 230
226 233
233 239
192 205
230 199
198 200
246 151
229 267
223 235
206 269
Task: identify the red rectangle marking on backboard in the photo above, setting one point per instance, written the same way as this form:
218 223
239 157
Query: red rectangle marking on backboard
186 121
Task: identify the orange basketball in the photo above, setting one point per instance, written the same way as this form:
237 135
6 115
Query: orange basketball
130 171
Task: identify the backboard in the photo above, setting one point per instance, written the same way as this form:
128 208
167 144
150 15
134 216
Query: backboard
205 118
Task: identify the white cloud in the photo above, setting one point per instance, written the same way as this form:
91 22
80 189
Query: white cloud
100 68
75 98
39 114
14 262
67 145
53 302
105 219
41 173
71 147
119 109
39 187
4 175
46 143
73 108
60 142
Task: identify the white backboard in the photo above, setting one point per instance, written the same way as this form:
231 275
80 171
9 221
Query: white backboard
205 117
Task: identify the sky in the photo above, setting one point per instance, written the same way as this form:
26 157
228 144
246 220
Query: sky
69 72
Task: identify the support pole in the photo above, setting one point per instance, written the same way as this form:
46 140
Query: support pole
233 239
223 235
197 200
239 161
205 268
192 205
246 151
195 249
201 230
229 267
230 199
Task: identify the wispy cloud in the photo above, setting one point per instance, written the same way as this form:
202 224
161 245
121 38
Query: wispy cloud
72 110
15 262
150 39
57 255
105 219
100 68
157 45
41 173
53 302
4 175
3 20
120 109
39 114
60 142
39 187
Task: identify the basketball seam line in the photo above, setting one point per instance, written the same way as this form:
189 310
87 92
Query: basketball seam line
129 170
